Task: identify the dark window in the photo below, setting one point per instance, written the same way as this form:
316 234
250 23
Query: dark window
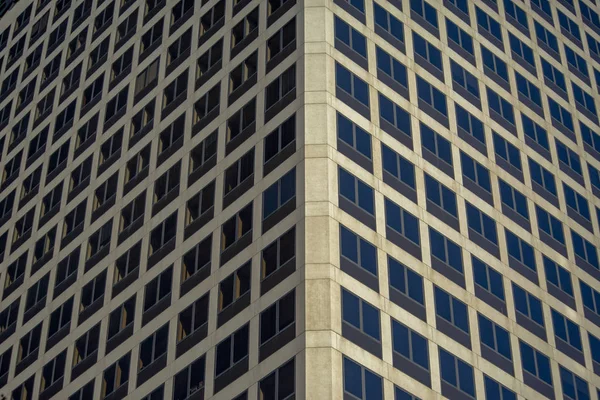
277 317
361 383
191 379
535 362
280 87
358 251
127 263
451 309
360 314
234 286
410 344
280 384
115 376
158 288
232 350
163 233
153 347
279 193
192 318
236 227
457 373
278 253
121 317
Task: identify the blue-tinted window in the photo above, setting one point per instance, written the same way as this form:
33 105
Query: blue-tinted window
520 250
357 250
546 37
425 10
410 344
354 136
487 278
560 114
558 276
476 172
543 5
401 394
481 223
398 166
470 124
394 114
593 44
569 157
594 347
436 144
358 4
431 96
589 15
457 373
464 78
507 151
513 199
528 305
459 36
573 387
577 202
428 51
388 22
583 98
521 49
535 131
542 177
496 391
584 249
591 297
535 362
279 193
494 336
360 314
568 25
356 191
528 89
445 250
402 221
350 36
576 61
517 13
488 23
494 63
590 137
451 309
440 195
566 329
405 280
550 224
594 176
501 106
392 67
352 84
361 383
554 75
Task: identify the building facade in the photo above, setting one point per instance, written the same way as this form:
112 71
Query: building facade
280 199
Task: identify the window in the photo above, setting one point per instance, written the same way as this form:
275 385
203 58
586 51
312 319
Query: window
111 147
494 390
28 344
520 250
528 305
590 17
353 136
147 77
208 102
542 177
577 202
425 10
180 9
51 200
488 24
192 318
278 253
391 67
590 138
44 245
232 350
481 223
121 317
451 309
547 38
427 51
200 203
349 36
513 199
410 344
456 373
163 233
358 251
521 50
402 222
99 240
116 104
566 330
75 218
568 26
167 182
464 79
356 191
440 195
507 151
351 84
191 379
127 27
576 62
236 227
141 121
528 89
501 106
475 172
406 281
212 18
37 292
560 115
97 55
25 390
535 132
517 14
86 345
535 362
573 387
115 376
584 99
245 72
234 286
554 76
244 28
395 115
104 17
594 178
203 152
57 159
432 96
361 383
389 23
279 193
60 318
127 263
175 89
280 384
439 146
487 278
445 250
280 87
585 250
277 317
23 226
274 5
53 371
459 36
86 392
77 44
152 37
398 166
494 64
92 291
92 91
239 171
550 225
558 276
182 44
243 119
211 58
286 36
15 271
494 336
26 94
153 347
569 158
